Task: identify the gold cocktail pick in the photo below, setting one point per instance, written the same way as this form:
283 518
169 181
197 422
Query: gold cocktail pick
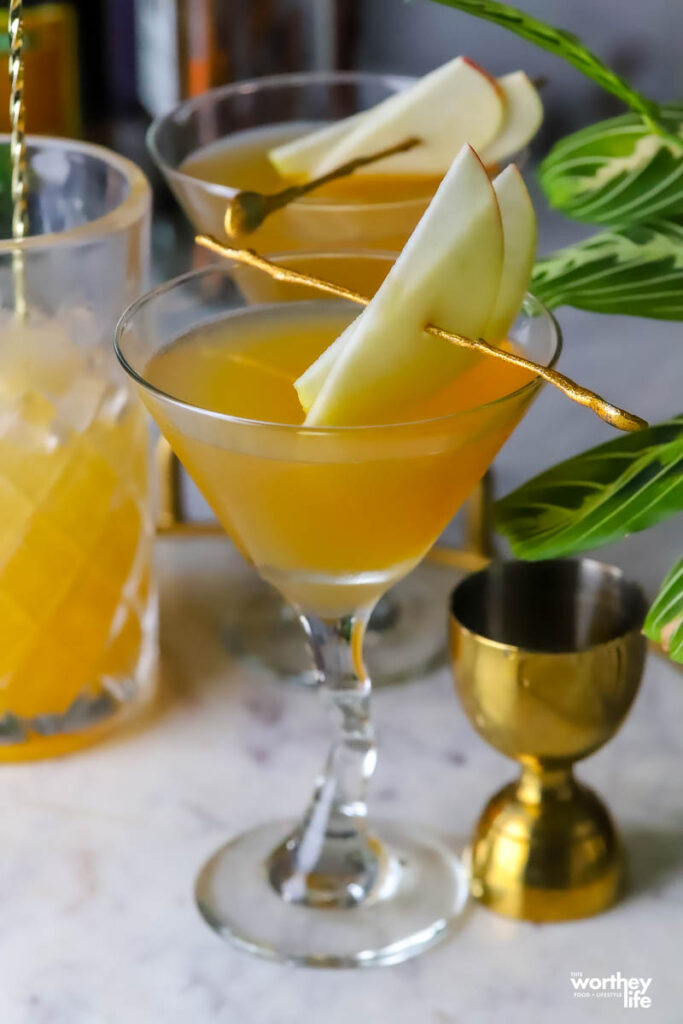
612 414
18 149
248 210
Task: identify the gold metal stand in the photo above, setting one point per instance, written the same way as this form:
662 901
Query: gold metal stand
171 518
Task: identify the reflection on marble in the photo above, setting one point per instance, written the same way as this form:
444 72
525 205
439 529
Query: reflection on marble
99 851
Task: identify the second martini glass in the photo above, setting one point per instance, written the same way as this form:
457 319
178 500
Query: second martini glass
332 517
208 148
215 144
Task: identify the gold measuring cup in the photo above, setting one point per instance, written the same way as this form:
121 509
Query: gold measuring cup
547 658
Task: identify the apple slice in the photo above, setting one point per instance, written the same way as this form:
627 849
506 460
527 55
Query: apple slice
455 104
310 382
448 273
519 250
296 159
523 116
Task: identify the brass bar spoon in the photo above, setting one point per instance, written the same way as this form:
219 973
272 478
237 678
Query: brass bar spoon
612 414
248 210
18 158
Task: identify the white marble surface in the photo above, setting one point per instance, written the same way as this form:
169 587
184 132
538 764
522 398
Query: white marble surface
99 851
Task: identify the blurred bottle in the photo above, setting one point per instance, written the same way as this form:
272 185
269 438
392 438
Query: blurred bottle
186 46
51 86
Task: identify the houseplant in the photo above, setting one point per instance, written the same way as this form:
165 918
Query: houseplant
625 176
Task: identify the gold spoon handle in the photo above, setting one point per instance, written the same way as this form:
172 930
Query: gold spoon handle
612 414
248 210
343 171
17 113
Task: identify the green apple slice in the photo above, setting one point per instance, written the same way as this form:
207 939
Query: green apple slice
519 250
297 159
448 273
523 116
310 382
455 104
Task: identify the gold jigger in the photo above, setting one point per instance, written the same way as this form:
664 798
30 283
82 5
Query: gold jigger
547 658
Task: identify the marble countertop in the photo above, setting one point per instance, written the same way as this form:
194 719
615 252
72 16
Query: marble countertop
99 850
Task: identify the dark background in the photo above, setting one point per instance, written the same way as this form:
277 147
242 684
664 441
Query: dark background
223 40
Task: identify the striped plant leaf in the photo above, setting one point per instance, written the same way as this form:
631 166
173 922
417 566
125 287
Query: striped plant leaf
636 271
597 497
664 623
565 45
618 171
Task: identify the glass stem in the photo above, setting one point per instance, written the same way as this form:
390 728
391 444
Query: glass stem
329 859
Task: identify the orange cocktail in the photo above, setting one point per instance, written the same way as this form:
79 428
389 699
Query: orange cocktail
329 520
332 516
228 139
379 209
75 572
77 601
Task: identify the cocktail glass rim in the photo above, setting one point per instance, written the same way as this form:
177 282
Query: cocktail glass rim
126 212
250 85
225 268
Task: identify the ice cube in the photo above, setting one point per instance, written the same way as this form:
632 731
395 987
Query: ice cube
36 354
30 424
37 410
116 403
54 377
81 403
52 165
15 363
57 361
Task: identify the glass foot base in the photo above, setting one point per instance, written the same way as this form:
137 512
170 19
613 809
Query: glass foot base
424 895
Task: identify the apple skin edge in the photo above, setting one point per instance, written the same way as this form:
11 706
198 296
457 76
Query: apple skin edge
487 74
518 225
519 250
521 113
456 103
523 119
388 366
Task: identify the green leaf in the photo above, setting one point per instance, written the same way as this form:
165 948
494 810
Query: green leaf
563 44
5 191
618 171
637 271
597 497
664 622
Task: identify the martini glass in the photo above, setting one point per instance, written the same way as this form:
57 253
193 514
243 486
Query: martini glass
406 636
310 507
269 110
